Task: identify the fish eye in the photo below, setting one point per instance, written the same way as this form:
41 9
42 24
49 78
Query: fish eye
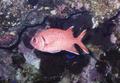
34 39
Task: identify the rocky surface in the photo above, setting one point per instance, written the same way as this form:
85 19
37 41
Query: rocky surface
21 18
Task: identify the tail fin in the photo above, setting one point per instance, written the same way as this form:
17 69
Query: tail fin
82 46
82 34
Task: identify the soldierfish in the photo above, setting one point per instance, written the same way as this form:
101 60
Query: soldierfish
55 40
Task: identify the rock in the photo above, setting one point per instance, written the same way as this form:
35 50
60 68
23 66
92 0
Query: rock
33 2
29 56
18 60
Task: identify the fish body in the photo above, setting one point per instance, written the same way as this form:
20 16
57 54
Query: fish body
55 40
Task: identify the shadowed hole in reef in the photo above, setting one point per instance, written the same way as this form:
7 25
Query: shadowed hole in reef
80 21
53 65
46 66
76 64
102 32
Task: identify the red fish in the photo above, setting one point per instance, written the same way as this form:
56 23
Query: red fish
55 40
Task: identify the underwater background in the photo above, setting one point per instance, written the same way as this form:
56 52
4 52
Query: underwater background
21 63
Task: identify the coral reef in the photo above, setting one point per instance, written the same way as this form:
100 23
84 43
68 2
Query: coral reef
20 19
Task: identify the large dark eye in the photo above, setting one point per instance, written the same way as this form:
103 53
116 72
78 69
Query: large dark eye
34 39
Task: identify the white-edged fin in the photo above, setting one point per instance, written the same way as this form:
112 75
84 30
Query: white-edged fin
70 28
84 48
82 34
72 50
55 51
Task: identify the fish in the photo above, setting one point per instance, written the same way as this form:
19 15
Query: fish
55 40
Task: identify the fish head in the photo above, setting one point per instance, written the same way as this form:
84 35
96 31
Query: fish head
47 41
38 42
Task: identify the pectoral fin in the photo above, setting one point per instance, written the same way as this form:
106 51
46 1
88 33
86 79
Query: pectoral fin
52 47
70 29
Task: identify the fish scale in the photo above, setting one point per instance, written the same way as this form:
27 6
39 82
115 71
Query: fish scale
55 40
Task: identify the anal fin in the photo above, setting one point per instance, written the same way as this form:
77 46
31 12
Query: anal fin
72 50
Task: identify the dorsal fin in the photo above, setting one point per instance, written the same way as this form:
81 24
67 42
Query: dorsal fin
70 29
